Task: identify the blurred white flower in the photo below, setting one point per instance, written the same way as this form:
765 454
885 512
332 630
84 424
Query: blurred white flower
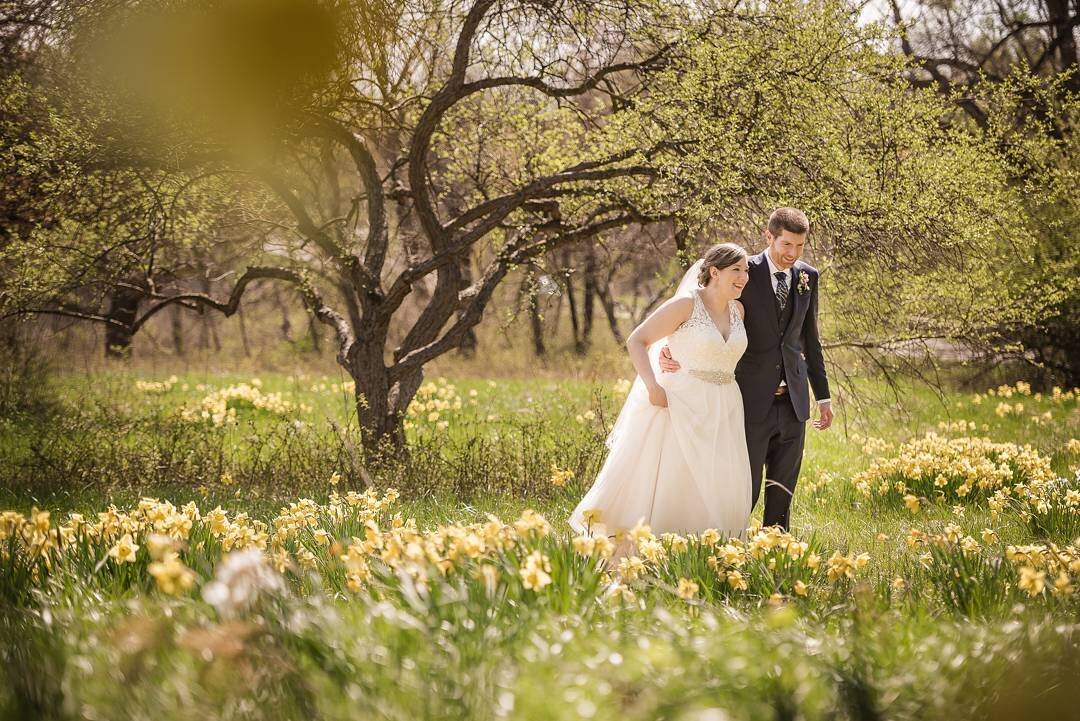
240 579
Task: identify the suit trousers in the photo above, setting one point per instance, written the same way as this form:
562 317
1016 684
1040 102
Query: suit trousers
776 445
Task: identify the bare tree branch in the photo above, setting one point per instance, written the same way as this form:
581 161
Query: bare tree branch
378 235
477 296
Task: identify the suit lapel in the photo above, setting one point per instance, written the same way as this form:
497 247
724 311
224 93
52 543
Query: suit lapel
801 299
765 292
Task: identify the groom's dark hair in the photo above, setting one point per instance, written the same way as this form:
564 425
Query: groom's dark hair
792 220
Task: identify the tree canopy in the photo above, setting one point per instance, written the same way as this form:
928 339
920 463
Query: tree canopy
373 153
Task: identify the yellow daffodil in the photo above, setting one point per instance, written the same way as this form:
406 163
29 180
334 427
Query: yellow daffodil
171 575
687 589
125 550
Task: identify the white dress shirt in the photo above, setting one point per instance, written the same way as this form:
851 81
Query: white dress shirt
773 270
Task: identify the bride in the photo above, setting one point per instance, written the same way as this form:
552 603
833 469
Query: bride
677 456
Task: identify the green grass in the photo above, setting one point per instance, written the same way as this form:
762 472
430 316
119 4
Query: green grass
86 637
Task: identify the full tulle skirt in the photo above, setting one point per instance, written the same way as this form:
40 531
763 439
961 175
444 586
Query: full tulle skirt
680 469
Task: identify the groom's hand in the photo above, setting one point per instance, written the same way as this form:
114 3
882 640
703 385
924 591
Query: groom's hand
825 419
667 363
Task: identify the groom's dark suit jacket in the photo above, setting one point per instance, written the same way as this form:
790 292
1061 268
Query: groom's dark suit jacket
785 347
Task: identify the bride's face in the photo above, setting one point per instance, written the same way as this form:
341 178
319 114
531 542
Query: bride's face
731 280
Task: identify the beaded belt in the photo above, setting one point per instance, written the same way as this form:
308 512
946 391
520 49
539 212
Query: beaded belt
718 377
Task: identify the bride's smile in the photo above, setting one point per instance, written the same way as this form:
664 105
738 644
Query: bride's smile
725 285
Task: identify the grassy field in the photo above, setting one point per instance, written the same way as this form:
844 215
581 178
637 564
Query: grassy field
215 545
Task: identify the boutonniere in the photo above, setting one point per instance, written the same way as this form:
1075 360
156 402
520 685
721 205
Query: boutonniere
804 281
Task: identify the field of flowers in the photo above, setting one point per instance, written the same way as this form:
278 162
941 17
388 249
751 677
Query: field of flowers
931 573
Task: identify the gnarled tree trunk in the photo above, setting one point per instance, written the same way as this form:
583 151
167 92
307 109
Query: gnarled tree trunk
121 313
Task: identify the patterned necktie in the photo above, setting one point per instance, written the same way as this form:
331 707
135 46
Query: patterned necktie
781 290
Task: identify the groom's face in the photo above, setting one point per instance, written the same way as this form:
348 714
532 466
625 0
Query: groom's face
785 248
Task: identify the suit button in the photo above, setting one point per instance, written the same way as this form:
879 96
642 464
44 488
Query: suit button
777 366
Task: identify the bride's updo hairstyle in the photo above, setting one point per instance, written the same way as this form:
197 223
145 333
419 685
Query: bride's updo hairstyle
720 256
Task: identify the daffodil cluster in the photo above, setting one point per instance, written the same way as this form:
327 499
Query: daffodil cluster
1049 506
817 483
1045 568
220 407
39 536
560 477
356 543
939 469
434 404
978 575
871 445
1018 400
156 387
768 565
347 387
1023 389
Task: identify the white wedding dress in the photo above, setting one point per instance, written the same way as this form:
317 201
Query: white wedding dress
684 468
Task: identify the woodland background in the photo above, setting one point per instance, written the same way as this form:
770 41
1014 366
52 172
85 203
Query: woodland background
311 334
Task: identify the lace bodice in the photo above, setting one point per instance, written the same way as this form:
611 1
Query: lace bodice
700 348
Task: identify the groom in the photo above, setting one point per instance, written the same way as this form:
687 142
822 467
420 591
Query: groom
783 354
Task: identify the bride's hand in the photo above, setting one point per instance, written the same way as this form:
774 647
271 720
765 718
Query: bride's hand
658 397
